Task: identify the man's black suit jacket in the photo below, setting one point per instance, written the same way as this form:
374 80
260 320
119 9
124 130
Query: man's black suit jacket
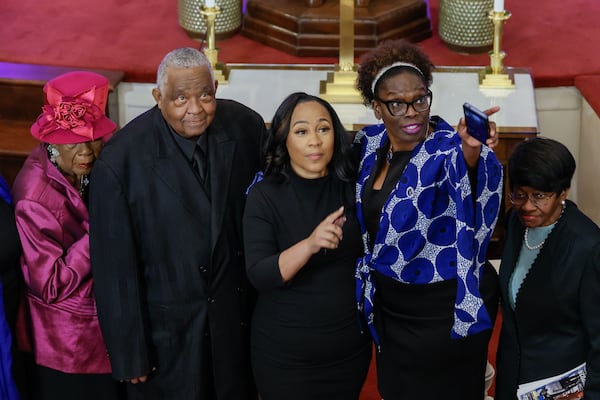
168 263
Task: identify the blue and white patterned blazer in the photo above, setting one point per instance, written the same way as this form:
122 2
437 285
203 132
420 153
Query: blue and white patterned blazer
429 229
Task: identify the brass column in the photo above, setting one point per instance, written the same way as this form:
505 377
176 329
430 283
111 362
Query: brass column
495 78
340 85
211 52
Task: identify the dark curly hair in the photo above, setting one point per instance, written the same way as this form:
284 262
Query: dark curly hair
277 159
386 54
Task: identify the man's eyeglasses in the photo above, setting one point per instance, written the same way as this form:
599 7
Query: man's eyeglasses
538 199
398 108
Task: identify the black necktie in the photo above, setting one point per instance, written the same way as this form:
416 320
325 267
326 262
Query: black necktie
199 163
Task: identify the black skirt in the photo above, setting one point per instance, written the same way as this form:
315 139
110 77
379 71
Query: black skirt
418 359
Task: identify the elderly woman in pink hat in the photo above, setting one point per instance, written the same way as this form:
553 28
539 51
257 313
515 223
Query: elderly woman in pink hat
61 326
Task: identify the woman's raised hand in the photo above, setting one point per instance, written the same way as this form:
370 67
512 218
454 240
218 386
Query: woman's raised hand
467 139
327 235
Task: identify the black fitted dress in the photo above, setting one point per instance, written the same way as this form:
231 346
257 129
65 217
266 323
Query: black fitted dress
306 338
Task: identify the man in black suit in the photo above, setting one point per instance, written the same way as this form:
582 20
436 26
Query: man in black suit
166 202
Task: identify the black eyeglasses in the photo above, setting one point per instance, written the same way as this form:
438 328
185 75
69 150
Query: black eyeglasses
398 108
538 199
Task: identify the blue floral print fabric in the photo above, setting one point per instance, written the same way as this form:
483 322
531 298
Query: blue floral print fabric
430 229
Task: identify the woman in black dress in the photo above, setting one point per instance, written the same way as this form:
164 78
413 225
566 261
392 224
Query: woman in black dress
302 240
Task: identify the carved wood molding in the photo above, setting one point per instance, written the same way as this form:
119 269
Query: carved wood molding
308 31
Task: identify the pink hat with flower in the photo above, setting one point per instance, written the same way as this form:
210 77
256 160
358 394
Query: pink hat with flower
75 109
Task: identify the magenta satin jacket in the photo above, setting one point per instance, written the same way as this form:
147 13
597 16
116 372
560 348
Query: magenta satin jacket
53 224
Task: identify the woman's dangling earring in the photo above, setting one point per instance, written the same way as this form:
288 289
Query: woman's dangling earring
52 154
84 181
562 210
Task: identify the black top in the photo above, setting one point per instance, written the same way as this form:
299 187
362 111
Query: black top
278 216
374 199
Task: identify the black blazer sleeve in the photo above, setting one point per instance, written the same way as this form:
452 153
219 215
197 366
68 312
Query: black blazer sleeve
589 301
112 246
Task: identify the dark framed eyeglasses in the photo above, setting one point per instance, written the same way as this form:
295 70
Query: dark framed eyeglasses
398 108
538 199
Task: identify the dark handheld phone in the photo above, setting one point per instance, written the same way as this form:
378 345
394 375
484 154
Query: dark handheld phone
477 121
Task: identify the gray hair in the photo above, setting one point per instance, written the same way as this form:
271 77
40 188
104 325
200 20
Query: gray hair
185 57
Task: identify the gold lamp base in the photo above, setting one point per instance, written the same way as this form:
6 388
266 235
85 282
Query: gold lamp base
221 74
220 70
340 88
497 81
